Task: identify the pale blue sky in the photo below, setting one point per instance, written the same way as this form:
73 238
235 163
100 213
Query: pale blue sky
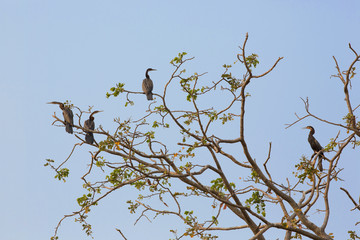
77 50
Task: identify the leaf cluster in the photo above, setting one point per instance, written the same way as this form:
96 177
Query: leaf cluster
115 91
257 200
305 170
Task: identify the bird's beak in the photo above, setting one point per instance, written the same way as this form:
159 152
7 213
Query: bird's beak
154 70
95 112
304 128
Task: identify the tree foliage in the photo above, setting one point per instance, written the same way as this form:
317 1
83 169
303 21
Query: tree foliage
190 163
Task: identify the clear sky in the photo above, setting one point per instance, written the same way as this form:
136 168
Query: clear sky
77 50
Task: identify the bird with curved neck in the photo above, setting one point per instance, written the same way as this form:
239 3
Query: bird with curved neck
68 116
90 124
315 145
147 84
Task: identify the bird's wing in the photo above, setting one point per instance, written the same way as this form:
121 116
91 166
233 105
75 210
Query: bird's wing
147 85
317 146
68 115
71 116
151 85
89 124
144 86
86 124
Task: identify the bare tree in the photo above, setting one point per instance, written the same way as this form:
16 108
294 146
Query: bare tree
190 164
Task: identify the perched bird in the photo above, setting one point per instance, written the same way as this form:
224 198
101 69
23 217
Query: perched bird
315 145
68 116
147 84
90 124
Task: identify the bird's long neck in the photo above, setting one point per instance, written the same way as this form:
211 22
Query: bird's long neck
311 133
147 74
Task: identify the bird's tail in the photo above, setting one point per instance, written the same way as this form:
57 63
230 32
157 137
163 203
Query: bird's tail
68 128
149 96
321 156
89 138
320 164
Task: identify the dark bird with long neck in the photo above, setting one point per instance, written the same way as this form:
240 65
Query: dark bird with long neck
68 116
315 145
147 85
90 124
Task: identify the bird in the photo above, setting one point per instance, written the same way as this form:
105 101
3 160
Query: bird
315 145
90 124
147 84
68 116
